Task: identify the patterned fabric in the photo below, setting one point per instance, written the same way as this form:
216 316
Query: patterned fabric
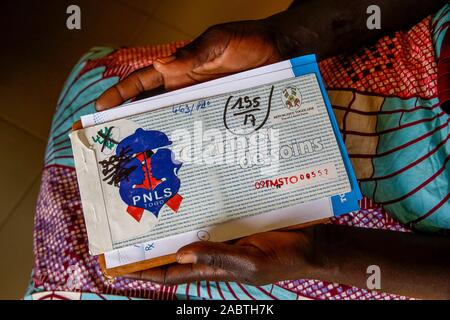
442 39
386 101
385 98
67 295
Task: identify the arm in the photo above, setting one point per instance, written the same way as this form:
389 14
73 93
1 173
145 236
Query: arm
414 265
323 27
330 27
411 264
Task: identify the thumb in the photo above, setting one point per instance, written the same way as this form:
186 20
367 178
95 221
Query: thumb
176 65
176 70
217 255
189 58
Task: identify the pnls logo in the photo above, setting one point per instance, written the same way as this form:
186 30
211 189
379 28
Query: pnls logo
146 173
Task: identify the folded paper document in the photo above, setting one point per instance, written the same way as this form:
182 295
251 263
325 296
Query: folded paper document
248 153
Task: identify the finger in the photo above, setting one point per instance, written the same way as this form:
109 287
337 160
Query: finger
185 59
176 66
154 274
177 71
194 56
182 273
136 83
218 255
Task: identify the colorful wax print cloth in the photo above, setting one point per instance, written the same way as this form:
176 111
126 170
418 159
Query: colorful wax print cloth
385 98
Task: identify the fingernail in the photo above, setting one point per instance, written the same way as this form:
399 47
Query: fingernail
165 60
186 258
98 107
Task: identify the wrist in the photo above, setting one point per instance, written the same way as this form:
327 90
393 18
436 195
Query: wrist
256 32
290 42
320 264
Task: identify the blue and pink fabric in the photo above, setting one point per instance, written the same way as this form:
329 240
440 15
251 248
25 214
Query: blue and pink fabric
390 105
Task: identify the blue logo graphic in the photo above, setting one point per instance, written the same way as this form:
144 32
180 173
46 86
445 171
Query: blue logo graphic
151 180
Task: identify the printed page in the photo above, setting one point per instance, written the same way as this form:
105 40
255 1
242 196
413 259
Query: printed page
192 166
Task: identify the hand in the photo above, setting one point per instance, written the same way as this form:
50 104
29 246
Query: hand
221 50
257 260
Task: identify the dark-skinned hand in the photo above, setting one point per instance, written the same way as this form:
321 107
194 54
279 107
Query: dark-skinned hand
257 260
221 50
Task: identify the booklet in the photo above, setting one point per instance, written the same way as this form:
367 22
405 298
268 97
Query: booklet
248 153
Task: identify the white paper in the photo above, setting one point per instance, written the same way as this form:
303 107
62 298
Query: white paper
212 190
